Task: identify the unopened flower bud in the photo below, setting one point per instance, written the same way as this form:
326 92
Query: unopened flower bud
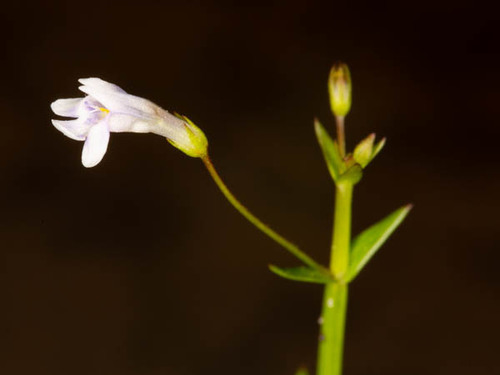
364 150
339 87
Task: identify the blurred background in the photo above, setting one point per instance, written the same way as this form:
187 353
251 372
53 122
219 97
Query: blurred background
139 265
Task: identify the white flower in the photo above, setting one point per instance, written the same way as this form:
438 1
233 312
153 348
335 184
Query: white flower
107 108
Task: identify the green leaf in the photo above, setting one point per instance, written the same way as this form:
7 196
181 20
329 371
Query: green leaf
304 274
330 152
302 371
366 244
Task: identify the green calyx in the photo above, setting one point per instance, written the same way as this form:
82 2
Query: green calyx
197 144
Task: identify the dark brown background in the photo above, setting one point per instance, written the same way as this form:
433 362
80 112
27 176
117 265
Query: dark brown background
139 266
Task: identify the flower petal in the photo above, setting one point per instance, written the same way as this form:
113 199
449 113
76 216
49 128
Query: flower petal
119 123
74 129
116 100
66 107
100 84
96 145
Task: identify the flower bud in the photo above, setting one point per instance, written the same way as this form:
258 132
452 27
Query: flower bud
339 87
364 150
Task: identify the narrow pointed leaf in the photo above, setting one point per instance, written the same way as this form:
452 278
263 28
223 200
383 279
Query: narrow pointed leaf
304 274
366 244
330 152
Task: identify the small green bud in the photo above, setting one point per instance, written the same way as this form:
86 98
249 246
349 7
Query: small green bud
365 151
339 87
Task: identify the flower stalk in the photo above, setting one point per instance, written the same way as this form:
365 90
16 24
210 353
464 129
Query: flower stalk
257 222
340 134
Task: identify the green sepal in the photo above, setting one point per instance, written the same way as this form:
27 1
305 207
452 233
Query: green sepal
366 244
378 147
331 153
179 116
352 175
304 274
302 371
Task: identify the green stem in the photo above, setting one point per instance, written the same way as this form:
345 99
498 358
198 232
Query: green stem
332 322
255 221
339 261
333 314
